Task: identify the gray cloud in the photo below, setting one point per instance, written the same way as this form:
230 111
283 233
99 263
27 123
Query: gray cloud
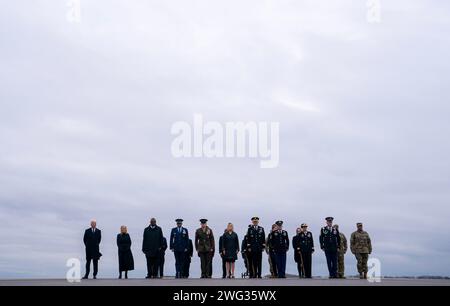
86 111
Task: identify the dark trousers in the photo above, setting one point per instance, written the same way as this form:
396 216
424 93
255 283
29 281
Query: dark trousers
180 258
273 265
255 262
186 268
224 268
307 265
162 259
332 263
305 258
152 265
280 260
88 266
206 263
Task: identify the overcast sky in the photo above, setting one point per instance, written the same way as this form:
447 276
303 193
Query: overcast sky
86 110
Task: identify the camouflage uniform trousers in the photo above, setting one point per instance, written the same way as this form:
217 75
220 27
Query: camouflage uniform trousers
341 265
362 259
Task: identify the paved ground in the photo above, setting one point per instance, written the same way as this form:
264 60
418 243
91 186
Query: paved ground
227 282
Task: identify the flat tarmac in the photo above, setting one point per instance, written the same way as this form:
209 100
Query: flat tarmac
228 282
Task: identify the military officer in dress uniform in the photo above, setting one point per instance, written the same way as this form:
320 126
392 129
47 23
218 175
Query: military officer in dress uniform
205 246
303 245
329 243
179 241
271 254
279 242
361 246
341 253
256 244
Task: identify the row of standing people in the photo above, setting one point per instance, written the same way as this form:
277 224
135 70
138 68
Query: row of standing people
254 243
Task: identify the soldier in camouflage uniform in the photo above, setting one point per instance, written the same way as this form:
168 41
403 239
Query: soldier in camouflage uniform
361 246
341 253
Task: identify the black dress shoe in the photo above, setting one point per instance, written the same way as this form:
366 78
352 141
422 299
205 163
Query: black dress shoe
85 277
95 277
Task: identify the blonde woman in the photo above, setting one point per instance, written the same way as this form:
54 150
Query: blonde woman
126 261
230 249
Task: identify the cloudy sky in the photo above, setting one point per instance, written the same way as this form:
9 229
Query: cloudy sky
86 110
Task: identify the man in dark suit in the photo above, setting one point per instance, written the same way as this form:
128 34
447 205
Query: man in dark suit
151 247
91 239
188 259
162 257
179 241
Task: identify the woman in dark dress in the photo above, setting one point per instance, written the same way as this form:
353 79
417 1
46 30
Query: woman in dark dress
230 249
126 261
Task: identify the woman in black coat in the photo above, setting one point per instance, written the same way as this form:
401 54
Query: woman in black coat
126 261
230 249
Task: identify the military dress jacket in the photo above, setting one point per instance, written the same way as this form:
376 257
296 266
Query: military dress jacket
204 240
256 239
330 239
179 239
279 241
303 242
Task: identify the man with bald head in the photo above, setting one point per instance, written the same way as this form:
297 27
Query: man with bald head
92 238
152 244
